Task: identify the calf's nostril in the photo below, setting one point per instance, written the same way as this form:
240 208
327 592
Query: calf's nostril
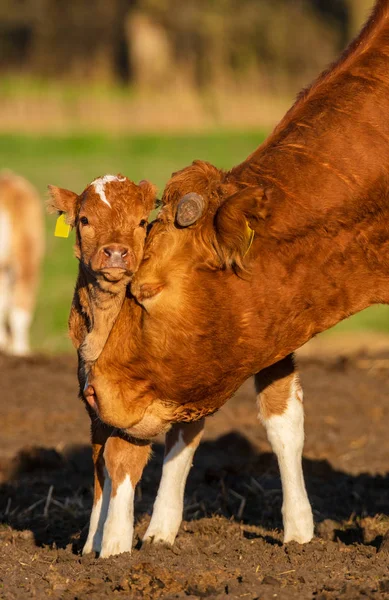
124 253
107 252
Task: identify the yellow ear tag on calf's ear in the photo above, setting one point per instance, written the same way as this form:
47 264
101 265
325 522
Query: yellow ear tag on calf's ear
62 229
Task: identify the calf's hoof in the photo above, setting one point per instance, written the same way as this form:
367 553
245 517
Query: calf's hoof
92 545
114 548
299 529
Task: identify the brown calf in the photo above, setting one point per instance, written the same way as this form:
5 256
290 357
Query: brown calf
110 219
21 252
220 306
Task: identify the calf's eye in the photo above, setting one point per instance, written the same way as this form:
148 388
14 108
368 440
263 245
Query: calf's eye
84 221
143 223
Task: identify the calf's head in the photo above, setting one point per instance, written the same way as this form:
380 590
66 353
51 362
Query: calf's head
207 222
110 219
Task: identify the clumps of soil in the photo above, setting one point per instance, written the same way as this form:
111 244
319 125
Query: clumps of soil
230 543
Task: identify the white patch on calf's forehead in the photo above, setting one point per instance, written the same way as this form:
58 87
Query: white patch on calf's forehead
99 185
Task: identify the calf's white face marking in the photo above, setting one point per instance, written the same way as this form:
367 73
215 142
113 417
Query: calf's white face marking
99 185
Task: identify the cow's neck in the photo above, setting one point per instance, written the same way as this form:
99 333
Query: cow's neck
101 302
324 172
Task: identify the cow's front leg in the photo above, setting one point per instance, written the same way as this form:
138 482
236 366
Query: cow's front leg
124 464
102 485
4 304
181 443
280 401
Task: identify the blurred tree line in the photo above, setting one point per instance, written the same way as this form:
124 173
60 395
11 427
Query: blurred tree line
268 45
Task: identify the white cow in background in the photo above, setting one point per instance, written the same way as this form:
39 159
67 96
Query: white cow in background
21 252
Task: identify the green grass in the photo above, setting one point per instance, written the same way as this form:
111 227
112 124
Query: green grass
74 161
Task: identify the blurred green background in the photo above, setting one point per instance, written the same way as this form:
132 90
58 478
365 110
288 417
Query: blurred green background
73 162
89 87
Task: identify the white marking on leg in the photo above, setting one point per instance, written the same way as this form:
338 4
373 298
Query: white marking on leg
19 324
119 524
169 504
5 254
286 436
4 306
99 185
93 524
98 518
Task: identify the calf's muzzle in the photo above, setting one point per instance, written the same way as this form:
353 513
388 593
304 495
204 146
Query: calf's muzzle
117 256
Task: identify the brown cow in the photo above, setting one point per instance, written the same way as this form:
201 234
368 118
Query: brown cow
21 252
220 306
110 218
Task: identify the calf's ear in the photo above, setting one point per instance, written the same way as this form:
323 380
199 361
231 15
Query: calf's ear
149 191
236 223
63 201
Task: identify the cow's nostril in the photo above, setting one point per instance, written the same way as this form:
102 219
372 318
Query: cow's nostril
107 252
124 253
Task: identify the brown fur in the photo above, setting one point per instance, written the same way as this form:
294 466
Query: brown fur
191 434
20 261
319 207
273 387
122 458
101 288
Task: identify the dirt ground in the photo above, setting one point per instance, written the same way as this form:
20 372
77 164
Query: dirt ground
229 545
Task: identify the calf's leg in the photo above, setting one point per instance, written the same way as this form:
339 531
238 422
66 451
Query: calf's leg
280 401
124 463
181 443
24 287
4 305
102 486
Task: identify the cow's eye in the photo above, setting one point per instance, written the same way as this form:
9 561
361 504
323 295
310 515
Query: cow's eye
143 223
84 221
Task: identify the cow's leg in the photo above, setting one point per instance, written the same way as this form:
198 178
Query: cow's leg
181 444
22 306
281 411
102 486
5 256
124 462
4 306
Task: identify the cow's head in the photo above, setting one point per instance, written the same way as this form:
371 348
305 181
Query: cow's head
110 218
207 222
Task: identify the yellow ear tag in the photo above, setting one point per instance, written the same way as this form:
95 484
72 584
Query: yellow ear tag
250 235
62 229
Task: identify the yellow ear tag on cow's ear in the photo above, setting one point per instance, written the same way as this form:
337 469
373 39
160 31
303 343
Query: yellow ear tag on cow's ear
250 235
62 229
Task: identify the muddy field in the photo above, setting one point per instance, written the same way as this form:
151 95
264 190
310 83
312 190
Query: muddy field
229 545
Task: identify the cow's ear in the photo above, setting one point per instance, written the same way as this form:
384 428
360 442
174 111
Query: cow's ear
149 191
63 201
236 223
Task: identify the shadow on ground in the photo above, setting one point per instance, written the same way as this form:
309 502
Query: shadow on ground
50 493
